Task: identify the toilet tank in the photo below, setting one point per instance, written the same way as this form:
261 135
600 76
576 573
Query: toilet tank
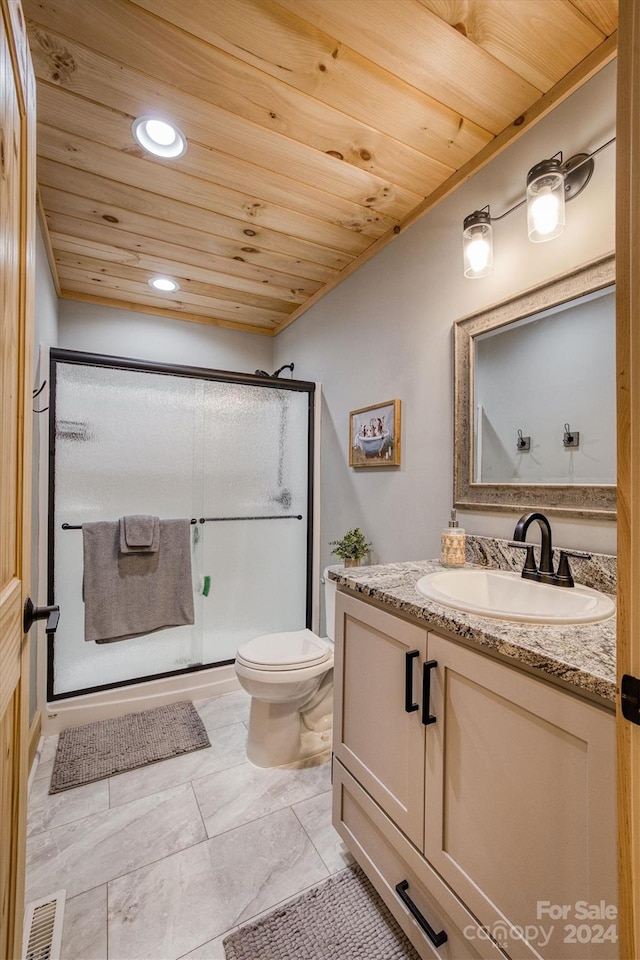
330 587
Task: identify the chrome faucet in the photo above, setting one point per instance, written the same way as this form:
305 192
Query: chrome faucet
545 573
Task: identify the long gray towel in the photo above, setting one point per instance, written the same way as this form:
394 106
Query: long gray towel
128 595
139 534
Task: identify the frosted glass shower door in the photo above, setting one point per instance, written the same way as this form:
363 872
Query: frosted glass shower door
255 465
231 455
126 442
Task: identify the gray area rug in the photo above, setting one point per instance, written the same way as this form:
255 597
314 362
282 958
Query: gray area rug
342 919
98 750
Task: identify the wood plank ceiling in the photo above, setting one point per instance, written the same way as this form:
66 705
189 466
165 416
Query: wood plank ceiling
317 130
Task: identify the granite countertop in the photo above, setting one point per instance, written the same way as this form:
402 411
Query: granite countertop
583 655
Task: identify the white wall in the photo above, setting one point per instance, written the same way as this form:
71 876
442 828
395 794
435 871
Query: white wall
46 299
387 332
124 333
45 333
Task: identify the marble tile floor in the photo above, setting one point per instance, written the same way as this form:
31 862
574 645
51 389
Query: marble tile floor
163 862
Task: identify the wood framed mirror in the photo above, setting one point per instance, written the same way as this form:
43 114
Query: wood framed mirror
534 399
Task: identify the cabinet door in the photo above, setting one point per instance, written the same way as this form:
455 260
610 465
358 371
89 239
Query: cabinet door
377 734
520 806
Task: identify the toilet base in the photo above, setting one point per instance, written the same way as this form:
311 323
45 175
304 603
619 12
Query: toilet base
282 745
280 736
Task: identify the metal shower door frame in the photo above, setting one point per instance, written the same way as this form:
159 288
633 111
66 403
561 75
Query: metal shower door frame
58 355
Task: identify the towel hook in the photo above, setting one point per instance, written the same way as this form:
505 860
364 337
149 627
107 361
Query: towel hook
571 437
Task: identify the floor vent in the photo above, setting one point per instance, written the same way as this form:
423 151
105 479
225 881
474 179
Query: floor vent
43 927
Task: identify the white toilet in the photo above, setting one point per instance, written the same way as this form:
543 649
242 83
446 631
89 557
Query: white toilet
290 679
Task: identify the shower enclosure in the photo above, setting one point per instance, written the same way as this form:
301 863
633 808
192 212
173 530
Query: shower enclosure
232 452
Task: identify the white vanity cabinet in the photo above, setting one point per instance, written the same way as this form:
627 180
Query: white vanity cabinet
490 791
376 737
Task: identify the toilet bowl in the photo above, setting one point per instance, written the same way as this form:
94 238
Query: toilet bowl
289 677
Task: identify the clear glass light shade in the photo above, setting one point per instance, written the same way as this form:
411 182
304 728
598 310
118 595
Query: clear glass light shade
545 201
160 138
477 242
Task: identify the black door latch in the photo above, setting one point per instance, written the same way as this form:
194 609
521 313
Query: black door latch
32 613
630 698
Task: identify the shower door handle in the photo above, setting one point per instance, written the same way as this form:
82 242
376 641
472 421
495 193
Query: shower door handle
31 614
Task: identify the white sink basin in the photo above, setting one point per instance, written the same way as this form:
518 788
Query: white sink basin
506 596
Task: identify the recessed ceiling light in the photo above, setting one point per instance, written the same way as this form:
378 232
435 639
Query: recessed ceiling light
160 138
165 284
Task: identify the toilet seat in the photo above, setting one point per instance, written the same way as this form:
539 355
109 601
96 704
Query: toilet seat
294 650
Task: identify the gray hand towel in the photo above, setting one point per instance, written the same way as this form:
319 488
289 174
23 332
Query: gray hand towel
129 595
139 534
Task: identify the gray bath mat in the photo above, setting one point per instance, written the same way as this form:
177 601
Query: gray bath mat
98 750
342 919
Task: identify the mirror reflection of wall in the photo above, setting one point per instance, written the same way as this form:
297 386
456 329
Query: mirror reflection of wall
535 375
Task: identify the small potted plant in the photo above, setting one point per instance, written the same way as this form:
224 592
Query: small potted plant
351 548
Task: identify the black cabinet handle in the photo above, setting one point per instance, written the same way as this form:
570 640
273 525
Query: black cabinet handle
427 717
32 613
409 657
437 939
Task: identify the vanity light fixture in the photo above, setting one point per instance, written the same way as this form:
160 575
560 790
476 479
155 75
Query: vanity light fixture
478 243
159 137
164 284
550 183
545 200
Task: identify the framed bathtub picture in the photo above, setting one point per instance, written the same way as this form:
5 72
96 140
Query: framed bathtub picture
374 435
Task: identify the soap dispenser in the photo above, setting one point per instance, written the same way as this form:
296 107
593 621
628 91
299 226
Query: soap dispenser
452 544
